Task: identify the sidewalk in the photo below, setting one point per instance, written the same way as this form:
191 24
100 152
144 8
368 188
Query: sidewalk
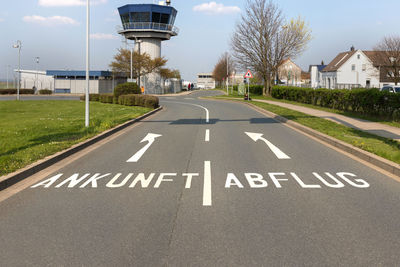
359 124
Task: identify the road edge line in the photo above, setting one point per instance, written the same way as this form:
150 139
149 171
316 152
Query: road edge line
375 160
21 174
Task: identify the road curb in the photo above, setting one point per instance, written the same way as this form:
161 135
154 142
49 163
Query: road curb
17 176
373 159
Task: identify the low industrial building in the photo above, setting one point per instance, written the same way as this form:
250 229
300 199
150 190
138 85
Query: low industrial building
205 81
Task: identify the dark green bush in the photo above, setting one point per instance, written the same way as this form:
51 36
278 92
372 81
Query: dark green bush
92 97
150 101
126 89
14 91
107 98
45 92
360 100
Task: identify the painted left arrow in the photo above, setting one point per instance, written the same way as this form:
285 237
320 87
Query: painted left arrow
278 153
150 138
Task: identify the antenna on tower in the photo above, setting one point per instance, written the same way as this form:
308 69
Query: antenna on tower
168 2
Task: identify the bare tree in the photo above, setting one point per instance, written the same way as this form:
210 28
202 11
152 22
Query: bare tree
389 53
263 39
223 68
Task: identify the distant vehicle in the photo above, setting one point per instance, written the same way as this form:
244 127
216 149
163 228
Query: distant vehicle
391 89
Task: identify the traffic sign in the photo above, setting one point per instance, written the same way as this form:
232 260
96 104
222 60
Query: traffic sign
248 74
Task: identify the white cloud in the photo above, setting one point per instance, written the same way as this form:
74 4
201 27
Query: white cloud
51 3
214 8
103 36
50 21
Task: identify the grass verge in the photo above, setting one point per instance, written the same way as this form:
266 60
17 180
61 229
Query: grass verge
32 130
383 147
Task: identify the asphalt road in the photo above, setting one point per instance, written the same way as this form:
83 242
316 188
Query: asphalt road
198 193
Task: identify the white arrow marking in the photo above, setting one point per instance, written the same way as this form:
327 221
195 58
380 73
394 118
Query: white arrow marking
150 138
278 153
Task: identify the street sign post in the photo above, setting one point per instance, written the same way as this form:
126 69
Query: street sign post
247 76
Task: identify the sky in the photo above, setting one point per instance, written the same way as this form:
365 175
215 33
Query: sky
55 31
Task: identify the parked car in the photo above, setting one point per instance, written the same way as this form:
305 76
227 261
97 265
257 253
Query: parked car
391 89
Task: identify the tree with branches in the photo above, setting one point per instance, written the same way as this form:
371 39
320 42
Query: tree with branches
263 38
142 62
224 65
389 51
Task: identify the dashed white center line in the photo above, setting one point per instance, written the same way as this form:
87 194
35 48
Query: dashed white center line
207 137
207 184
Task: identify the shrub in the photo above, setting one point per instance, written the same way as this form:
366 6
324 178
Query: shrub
107 98
150 101
14 91
126 89
92 97
45 92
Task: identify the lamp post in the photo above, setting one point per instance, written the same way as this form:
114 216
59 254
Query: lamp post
138 42
37 74
227 73
8 66
87 63
18 45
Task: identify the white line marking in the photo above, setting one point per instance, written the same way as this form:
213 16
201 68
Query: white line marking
207 184
150 138
188 98
207 112
278 153
207 138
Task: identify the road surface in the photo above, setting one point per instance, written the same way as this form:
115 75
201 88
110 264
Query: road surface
205 183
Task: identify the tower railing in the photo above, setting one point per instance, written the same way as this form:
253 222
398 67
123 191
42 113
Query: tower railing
150 26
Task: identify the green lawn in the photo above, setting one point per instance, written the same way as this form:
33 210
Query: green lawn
32 130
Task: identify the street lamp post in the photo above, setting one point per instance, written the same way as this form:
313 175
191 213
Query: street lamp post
18 45
8 66
87 63
37 74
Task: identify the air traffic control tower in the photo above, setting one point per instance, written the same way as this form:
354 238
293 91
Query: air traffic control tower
148 25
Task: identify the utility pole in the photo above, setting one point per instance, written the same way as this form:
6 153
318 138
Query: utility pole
87 62
18 45
37 74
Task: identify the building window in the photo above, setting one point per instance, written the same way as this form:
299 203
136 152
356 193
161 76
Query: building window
364 67
353 67
156 17
140 17
358 56
164 18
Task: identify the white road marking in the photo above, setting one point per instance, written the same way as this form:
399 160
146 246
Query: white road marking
150 138
278 153
207 137
207 112
207 184
189 98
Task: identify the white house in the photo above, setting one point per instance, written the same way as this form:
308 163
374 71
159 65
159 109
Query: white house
205 81
316 75
356 68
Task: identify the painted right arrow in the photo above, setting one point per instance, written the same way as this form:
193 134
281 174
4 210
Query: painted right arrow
278 153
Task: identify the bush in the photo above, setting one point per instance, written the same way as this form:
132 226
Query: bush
107 98
148 101
92 97
360 100
14 91
45 92
126 89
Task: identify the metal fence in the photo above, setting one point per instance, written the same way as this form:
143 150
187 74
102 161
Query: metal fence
150 26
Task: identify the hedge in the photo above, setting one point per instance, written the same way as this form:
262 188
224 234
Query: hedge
147 101
14 91
107 98
360 100
92 97
45 92
126 89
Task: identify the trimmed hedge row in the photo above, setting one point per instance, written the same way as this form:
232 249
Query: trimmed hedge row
365 101
92 97
45 92
147 101
14 91
126 89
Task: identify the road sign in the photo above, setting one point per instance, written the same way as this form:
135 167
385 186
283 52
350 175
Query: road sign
248 74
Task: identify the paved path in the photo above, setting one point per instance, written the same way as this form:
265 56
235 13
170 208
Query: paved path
359 124
204 183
